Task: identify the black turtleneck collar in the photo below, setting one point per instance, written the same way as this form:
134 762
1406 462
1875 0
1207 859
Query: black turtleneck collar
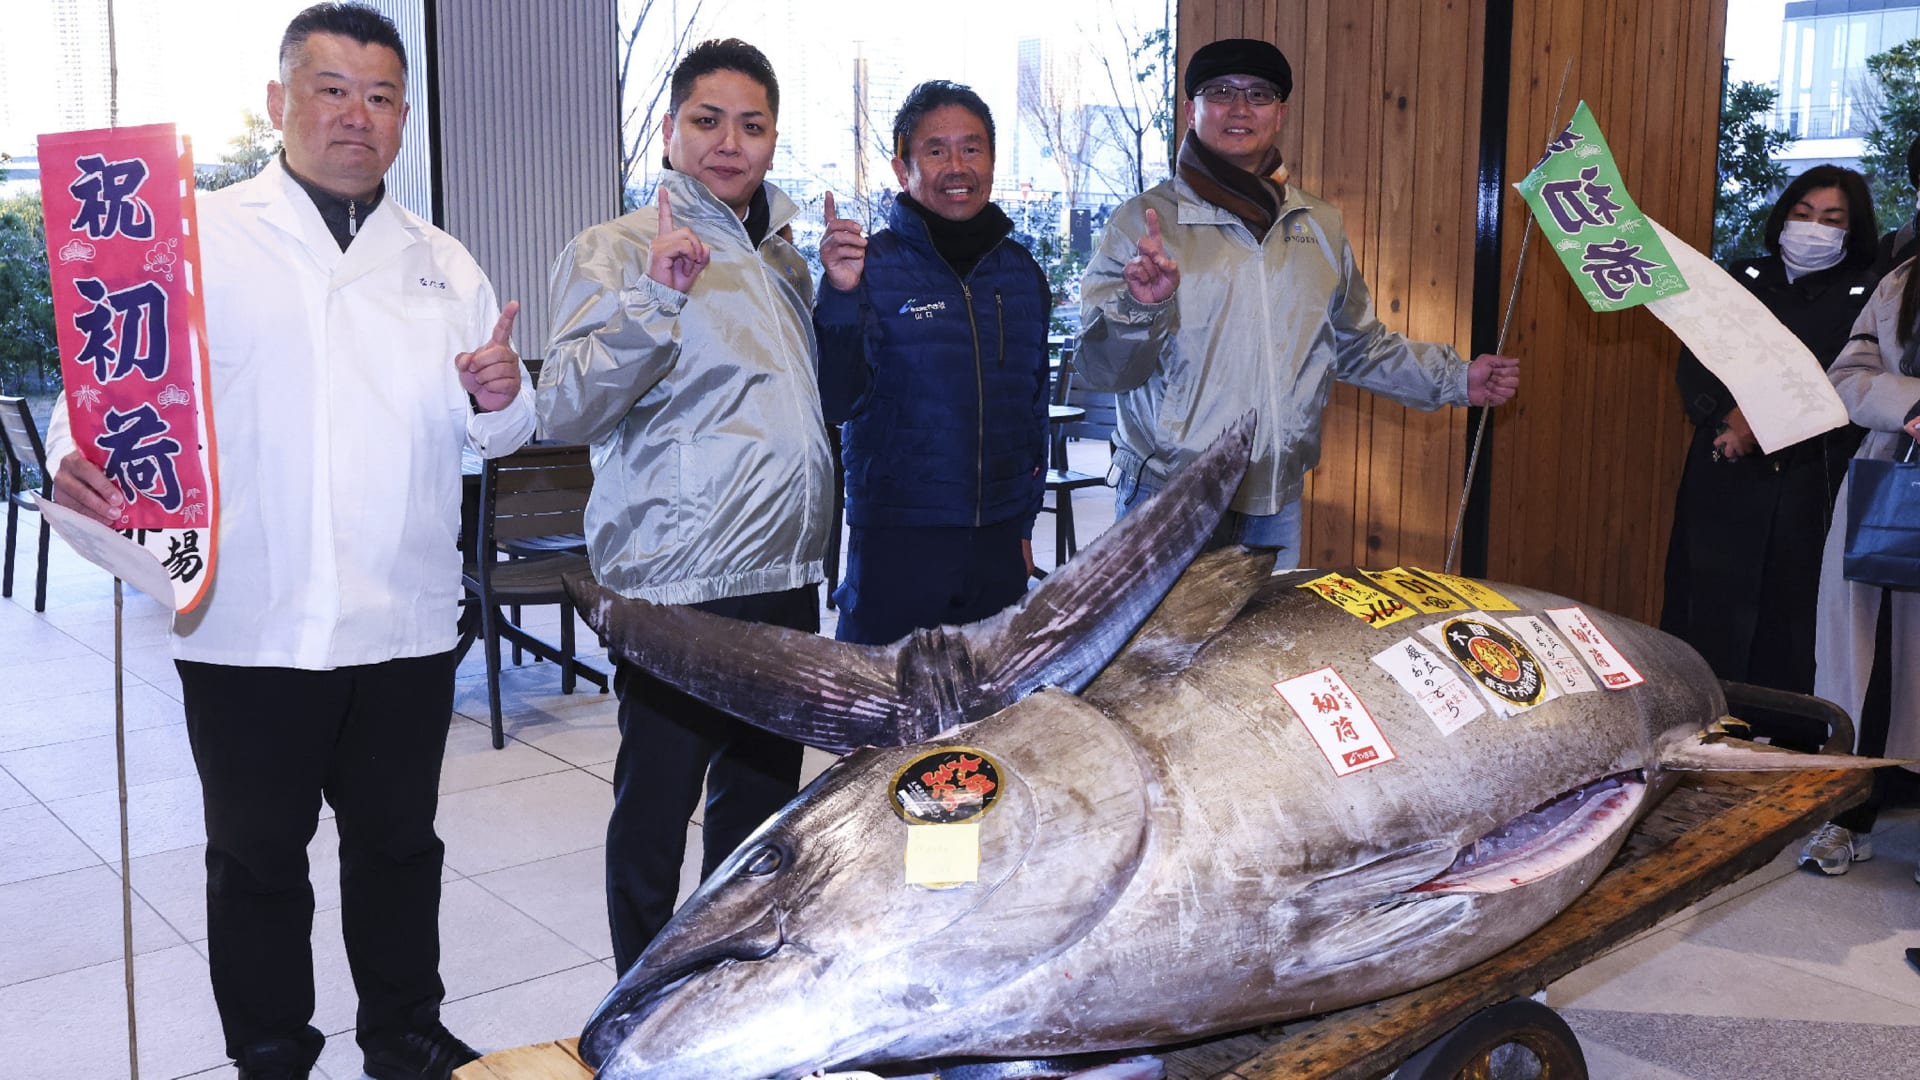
759 216
961 243
343 216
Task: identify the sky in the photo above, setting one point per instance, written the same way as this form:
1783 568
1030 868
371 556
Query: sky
1753 39
195 63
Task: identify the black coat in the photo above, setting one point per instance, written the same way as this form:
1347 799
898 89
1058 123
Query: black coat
1743 564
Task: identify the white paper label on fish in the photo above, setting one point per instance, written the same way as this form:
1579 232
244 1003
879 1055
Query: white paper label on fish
1440 692
1612 668
1558 658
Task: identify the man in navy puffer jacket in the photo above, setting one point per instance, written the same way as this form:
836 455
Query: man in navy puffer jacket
933 352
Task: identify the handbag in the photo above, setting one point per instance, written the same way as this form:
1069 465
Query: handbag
1883 522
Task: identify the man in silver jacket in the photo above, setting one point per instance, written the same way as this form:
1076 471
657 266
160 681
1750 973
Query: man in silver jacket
683 351
1225 289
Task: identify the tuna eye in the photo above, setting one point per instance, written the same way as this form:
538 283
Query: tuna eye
762 862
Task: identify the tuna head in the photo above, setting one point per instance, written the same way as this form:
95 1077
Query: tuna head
809 948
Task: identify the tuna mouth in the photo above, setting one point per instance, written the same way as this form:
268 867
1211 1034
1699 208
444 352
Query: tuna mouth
644 987
1545 840
626 1007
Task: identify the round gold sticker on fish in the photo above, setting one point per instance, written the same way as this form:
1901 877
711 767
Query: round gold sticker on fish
946 786
1496 659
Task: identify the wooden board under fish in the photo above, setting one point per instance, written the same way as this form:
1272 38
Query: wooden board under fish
1713 830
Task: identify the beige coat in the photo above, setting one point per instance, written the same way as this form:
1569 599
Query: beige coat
1254 325
1867 377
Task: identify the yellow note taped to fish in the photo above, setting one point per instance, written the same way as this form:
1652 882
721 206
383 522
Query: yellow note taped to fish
1473 592
1363 602
943 856
1423 594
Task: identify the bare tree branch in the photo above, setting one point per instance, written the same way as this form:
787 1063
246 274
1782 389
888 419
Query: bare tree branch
1064 128
639 125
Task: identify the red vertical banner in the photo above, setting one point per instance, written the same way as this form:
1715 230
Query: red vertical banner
123 241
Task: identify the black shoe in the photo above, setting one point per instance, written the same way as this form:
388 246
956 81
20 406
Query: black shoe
1913 959
280 1059
430 1053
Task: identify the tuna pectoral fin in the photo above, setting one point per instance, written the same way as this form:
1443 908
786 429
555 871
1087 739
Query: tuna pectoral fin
1381 929
1711 751
1363 911
839 696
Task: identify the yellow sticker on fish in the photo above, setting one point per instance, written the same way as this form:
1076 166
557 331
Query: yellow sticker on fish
943 856
1473 592
1362 601
1423 594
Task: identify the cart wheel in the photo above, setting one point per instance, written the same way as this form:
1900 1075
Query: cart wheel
1515 1040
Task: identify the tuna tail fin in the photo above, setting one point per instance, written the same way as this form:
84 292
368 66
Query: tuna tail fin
1717 749
839 696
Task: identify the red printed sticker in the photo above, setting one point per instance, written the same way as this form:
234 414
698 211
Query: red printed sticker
946 786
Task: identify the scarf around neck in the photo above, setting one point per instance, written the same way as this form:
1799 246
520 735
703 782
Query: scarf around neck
1253 197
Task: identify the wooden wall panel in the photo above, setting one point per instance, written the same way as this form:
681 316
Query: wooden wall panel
1587 463
1384 123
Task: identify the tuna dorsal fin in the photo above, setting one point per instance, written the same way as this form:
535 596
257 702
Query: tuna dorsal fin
1201 604
1713 750
838 696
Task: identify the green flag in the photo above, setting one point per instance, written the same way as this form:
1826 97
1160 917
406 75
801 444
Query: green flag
1582 205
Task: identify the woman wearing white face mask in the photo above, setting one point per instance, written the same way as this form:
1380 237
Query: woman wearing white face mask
1743 564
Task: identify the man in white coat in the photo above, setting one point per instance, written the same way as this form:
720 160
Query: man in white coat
355 349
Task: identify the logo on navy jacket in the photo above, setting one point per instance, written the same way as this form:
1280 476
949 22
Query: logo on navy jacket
922 311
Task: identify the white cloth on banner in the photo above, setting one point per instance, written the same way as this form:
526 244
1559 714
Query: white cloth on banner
1780 387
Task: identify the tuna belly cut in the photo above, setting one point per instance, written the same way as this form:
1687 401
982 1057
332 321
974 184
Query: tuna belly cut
1545 840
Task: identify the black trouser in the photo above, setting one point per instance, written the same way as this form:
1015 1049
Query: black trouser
669 744
903 579
268 744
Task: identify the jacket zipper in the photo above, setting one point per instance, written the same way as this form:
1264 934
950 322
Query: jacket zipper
979 408
979 381
1000 316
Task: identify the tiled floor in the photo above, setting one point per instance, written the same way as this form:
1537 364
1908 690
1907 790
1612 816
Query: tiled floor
1782 974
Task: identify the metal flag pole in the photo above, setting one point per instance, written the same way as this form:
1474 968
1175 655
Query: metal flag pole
120 672
1500 345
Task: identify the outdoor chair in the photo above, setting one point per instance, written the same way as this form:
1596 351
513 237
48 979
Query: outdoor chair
20 442
1062 482
537 491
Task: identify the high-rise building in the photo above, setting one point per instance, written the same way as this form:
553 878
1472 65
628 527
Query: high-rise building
1826 92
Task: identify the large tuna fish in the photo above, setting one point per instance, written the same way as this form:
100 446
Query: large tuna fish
1167 847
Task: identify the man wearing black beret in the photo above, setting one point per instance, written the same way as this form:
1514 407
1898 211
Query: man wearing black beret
1224 289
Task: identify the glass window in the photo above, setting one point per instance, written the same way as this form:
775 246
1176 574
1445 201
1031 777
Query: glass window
1076 128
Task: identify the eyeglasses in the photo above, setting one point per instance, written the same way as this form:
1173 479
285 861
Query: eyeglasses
1224 93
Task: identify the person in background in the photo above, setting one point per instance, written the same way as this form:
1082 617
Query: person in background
1902 243
1743 563
319 663
1867 639
1226 289
933 351
683 350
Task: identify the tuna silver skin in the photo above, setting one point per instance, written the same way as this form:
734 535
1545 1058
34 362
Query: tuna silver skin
1169 853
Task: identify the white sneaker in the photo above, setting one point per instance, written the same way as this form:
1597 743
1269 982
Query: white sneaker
1833 849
